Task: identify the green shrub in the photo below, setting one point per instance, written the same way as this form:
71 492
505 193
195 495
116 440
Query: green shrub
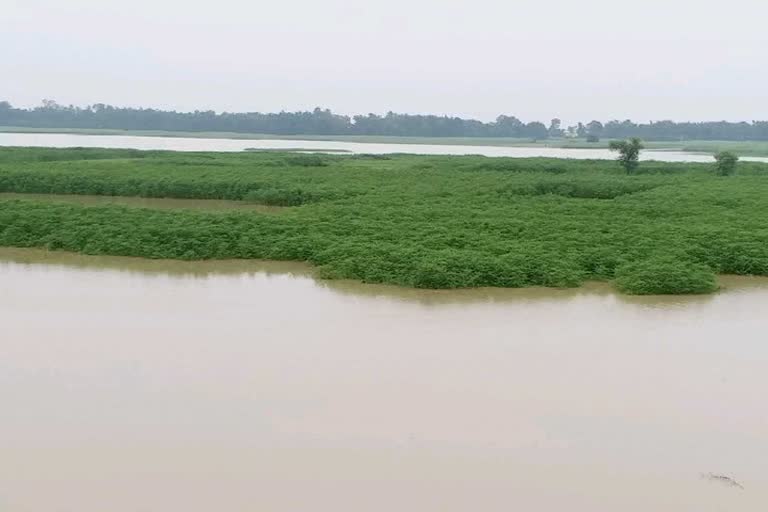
665 276
307 161
629 153
600 188
277 197
725 163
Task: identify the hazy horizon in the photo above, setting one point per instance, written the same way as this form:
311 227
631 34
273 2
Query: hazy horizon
573 60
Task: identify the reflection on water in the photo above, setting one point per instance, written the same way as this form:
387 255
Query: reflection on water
146 202
131 385
57 260
209 268
201 144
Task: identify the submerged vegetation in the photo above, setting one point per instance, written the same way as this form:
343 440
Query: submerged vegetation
418 221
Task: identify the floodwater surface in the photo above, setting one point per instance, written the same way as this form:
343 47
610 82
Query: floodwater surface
130 385
202 144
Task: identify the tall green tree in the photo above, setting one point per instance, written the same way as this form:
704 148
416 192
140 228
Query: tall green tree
51 114
595 128
629 153
555 129
725 163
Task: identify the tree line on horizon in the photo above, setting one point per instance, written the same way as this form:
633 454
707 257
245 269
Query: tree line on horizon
324 122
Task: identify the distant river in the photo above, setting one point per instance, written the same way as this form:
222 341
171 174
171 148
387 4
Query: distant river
199 144
129 385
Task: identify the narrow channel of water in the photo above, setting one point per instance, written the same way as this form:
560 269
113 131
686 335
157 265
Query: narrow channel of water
201 144
132 385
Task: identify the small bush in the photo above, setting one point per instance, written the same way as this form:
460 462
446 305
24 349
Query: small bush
665 276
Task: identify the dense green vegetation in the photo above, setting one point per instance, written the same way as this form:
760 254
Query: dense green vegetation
419 221
27 155
665 275
324 122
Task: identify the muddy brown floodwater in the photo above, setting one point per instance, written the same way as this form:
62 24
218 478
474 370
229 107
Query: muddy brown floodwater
128 385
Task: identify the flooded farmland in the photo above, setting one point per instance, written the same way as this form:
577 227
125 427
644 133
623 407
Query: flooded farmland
246 386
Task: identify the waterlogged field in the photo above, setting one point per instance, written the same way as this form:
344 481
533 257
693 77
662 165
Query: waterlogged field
742 148
416 221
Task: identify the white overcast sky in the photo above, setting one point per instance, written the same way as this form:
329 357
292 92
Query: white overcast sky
537 59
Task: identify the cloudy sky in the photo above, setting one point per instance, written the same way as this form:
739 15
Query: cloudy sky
575 59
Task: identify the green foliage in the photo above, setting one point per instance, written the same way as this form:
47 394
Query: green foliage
418 221
629 153
579 187
307 161
323 122
13 154
725 163
278 197
665 276
371 156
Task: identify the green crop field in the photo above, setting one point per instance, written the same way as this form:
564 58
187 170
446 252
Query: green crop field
417 221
